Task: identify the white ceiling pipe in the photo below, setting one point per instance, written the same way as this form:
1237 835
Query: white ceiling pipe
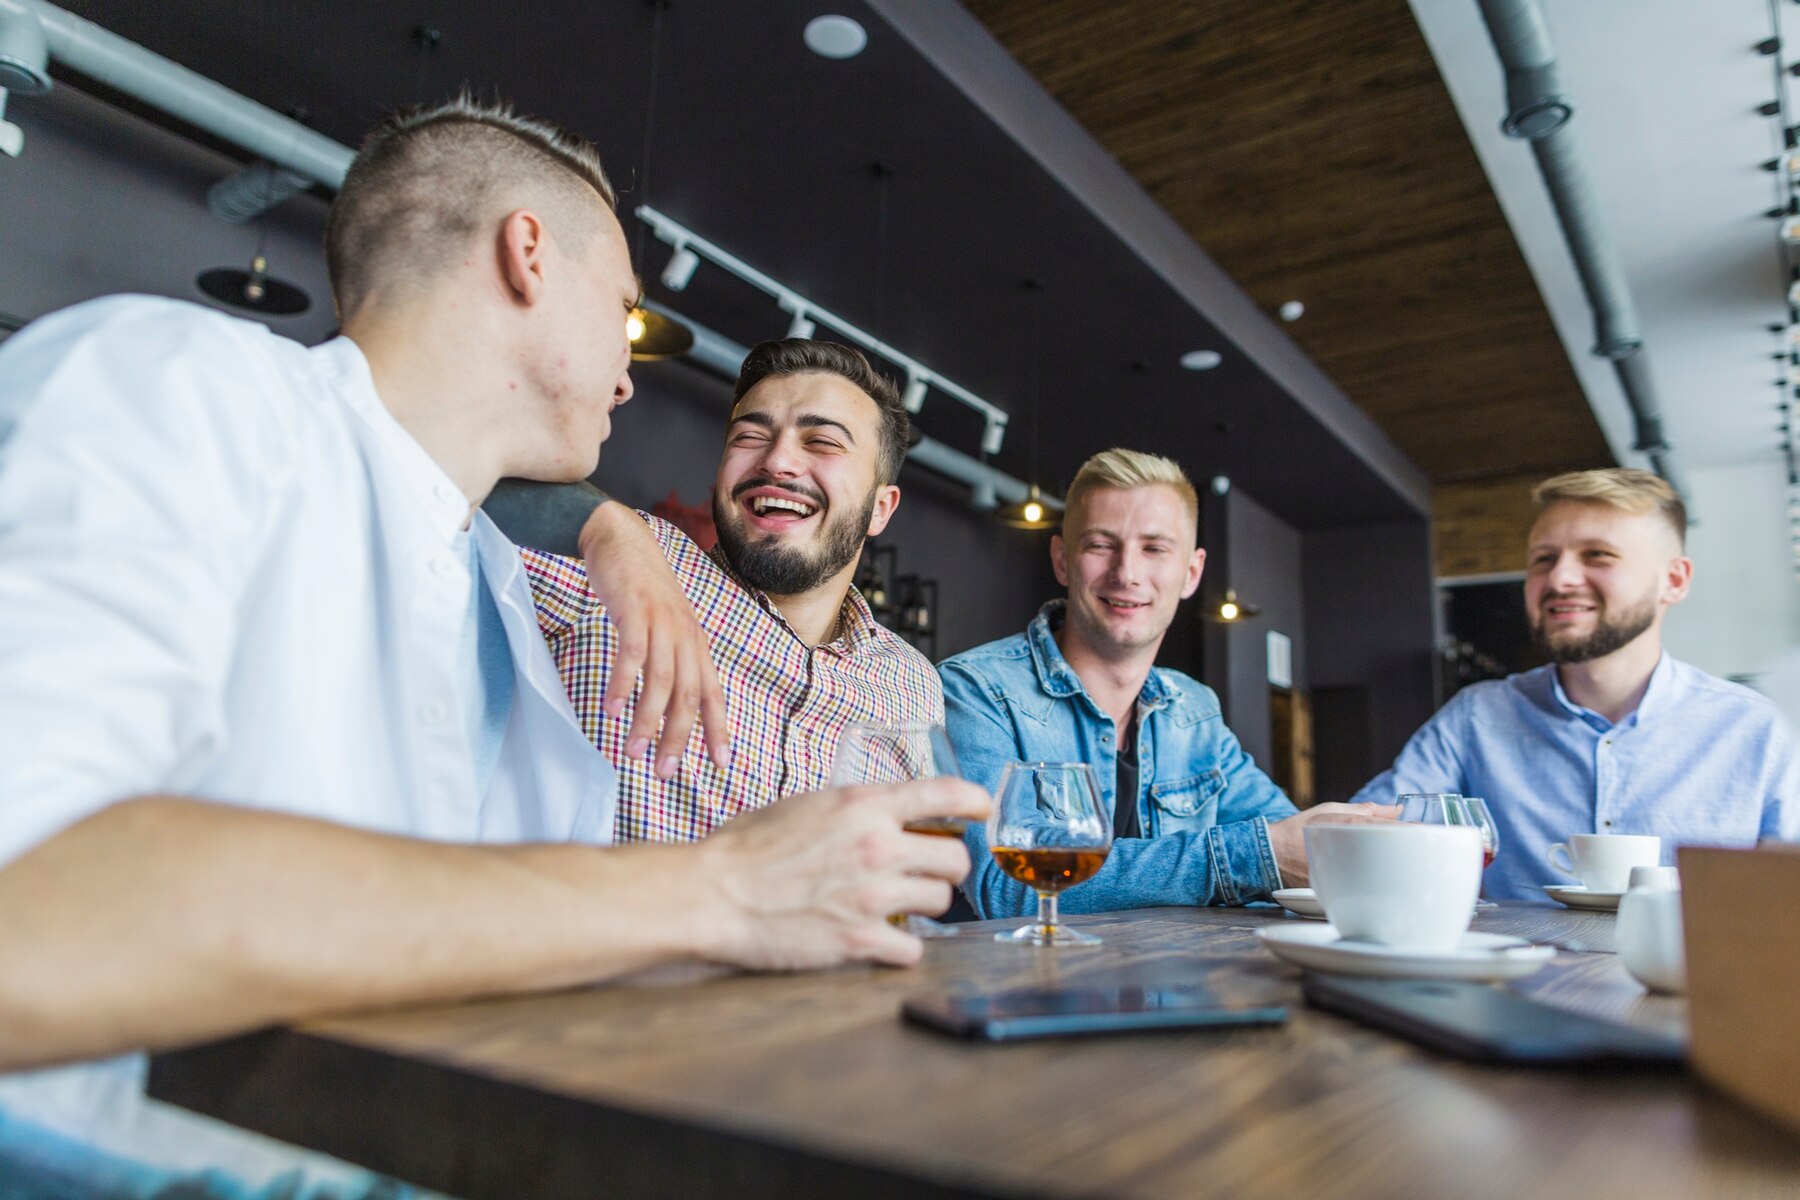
194 99
244 195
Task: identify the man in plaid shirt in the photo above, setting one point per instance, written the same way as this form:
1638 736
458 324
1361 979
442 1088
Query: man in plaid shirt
811 454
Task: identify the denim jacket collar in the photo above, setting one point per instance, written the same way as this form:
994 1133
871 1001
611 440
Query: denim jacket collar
1057 678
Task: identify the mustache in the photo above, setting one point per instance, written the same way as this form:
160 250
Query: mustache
815 496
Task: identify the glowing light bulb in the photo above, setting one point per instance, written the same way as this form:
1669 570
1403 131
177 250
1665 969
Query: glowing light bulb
1228 611
1034 511
634 326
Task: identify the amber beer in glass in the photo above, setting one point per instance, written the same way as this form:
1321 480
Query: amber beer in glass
1048 832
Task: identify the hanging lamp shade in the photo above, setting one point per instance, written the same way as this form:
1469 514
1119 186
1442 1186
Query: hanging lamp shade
655 337
254 290
1029 513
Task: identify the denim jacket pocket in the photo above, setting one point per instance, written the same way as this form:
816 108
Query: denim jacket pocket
1188 803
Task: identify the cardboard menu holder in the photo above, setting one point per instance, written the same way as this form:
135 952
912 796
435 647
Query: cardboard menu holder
1742 929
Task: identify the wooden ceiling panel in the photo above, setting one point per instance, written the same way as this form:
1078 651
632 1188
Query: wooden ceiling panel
1312 150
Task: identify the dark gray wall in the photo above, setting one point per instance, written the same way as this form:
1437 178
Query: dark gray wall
1251 550
103 202
1372 625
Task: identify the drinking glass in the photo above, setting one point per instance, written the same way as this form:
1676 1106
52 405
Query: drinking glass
1430 808
1476 810
1447 808
873 752
1049 832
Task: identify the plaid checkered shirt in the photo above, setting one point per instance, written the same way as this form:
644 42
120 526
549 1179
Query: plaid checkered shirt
788 702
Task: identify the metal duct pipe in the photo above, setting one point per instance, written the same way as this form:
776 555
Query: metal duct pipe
241 197
723 356
1539 112
129 68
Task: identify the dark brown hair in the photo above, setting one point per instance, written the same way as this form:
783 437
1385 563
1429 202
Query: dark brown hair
428 177
803 356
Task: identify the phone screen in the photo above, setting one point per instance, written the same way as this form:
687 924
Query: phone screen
1099 1004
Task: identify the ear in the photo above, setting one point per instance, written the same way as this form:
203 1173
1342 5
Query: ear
523 246
1056 559
887 499
1195 568
1677 576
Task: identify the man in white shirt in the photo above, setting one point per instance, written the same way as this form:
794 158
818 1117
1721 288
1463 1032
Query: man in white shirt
278 734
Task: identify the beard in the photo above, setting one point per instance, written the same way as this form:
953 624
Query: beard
1609 633
768 565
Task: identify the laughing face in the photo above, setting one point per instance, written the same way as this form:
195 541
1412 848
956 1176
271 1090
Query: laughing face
1128 558
797 492
1598 578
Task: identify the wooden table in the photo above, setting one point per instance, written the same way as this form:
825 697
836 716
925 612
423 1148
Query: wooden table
696 1083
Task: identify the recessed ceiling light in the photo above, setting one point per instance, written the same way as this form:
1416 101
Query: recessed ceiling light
1293 310
1201 360
835 37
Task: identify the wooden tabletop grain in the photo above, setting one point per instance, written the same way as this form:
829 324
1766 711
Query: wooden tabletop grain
698 1083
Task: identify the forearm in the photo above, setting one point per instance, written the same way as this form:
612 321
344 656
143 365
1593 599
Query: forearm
544 516
161 921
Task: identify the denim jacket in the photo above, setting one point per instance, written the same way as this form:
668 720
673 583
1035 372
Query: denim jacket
1203 805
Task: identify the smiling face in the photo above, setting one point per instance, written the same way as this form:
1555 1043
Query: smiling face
1128 558
1598 578
798 489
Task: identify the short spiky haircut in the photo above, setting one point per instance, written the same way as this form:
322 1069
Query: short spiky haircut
1624 488
1121 468
805 356
429 177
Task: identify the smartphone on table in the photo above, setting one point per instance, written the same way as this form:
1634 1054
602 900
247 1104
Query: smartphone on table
1112 1002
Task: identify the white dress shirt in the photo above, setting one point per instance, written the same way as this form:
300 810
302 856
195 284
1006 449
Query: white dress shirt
226 571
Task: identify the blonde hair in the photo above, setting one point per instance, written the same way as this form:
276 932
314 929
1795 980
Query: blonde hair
1624 488
1121 468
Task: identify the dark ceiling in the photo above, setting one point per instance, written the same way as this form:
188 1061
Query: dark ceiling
771 152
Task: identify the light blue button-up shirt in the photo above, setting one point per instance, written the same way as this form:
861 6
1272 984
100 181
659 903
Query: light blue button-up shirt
1701 762
1203 805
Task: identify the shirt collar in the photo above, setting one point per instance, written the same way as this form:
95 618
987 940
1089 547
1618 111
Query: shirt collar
1658 694
1059 679
342 363
857 626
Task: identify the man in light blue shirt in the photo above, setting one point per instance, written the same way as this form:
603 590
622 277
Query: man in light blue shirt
1194 820
1613 736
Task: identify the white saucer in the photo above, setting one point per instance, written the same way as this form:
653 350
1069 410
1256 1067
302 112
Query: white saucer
1485 957
1574 895
1302 902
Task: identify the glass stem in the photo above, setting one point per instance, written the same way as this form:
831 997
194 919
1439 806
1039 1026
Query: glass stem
1047 913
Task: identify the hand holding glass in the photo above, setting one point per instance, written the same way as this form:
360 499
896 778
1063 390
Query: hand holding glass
877 753
1049 832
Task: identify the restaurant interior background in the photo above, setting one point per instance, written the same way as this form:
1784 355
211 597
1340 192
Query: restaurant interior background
1049 204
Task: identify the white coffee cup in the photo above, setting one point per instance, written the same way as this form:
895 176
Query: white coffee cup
1649 935
1412 887
1603 861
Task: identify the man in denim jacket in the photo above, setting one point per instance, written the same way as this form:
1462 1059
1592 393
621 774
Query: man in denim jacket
1203 824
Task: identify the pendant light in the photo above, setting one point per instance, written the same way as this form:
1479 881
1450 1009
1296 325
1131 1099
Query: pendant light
653 335
1031 512
1230 610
